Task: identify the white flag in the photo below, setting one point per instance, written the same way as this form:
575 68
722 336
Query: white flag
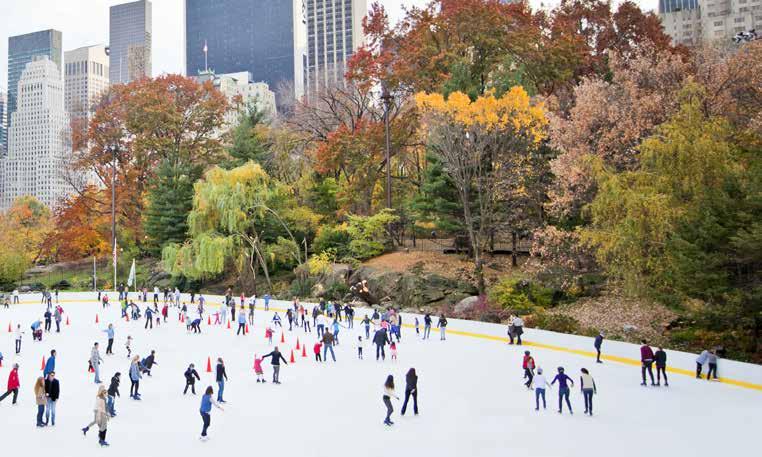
131 279
206 49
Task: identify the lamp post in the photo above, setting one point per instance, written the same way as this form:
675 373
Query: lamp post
388 100
113 209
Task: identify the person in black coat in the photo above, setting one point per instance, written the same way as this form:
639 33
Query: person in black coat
411 388
191 375
275 362
598 343
221 376
113 392
380 339
52 392
148 363
660 357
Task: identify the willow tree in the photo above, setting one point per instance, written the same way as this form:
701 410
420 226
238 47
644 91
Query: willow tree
240 217
484 147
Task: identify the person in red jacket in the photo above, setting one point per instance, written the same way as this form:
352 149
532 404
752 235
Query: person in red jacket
316 349
647 359
13 384
528 366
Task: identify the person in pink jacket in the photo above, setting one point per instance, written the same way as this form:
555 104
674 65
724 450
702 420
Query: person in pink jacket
647 359
258 369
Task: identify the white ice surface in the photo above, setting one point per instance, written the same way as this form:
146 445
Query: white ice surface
471 398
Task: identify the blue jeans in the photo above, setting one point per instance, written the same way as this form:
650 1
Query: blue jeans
40 412
563 392
442 333
97 368
319 330
50 412
326 347
539 392
221 385
110 405
367 332
426 332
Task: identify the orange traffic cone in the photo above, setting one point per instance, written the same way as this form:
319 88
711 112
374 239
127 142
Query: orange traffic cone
208 364
228 325
1 363
127 317
209 320
42 366
247 330
297 344
96 319
282 338
9 328
292 357
304 350
182 317
67 320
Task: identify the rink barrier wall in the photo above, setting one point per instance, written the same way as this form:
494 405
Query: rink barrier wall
739 374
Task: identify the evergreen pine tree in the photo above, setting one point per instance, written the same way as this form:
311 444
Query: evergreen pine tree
169 202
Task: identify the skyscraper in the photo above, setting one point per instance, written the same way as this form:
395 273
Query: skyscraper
334 32
692 22
130 26
85 79
3 122
22 49
263 37
39 140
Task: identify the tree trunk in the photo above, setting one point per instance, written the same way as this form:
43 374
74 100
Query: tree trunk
514 243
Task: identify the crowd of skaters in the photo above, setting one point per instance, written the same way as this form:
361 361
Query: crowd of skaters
327 320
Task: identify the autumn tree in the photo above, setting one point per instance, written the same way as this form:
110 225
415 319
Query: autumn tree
79 231
23 229
481 144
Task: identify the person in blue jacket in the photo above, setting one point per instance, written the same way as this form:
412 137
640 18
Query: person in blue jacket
149 317
110 334
241 323
267 302
598 343
50 365
563 389
206 411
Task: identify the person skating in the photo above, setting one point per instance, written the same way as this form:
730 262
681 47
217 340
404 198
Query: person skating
13 384
191 375
320 325
221 376
148 363
647 360
95 361
252 307
48 316
57 317
276 320
660 357
241 322
387 397
393 350
366 323
17 338
380 339
700 362
110 334
164 312
128 346
50 364
267 298
135 376
528 365
539 383
316 350
328 340
149 318
206 410
275 359
195 325
36 330
598 343
258 369
518 329
563 390
587 385
359 347
411 389
101 416
52 392
113 392
290 317
40 399
442 326
335 328
712 362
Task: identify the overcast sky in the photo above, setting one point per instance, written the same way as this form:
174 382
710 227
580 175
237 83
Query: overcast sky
85 22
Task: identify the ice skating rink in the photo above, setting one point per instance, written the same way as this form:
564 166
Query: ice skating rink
471 398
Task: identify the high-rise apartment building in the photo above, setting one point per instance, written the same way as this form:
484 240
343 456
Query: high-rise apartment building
39 139
334 32
86 78
130 26
22 49
266 38
691 22
240 88
3 122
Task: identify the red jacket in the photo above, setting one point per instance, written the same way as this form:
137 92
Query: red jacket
258 366
13 379
646 353
316 348
528 362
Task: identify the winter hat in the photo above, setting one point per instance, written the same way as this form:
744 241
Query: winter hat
539 371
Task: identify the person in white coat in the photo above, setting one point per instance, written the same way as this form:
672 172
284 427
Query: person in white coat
539 384
17 335
95 361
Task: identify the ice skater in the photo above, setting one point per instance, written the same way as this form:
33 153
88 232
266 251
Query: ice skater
100 416
147 364
540 383
647 360
712 362
411 389
206 410
17 337
191 375
113 392
426 326
276 321
328 346
563 390
13 384
52 392
135 376
50 364
128 346
241 322
587 385
258 369
597 344
442 326
40 399
359 347
95 361
387 397
109 331
528 365
660 357
275 358
380 339
221 376
316 349
393 350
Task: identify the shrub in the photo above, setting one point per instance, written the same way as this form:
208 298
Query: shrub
336 291
556 323
333 238
508 295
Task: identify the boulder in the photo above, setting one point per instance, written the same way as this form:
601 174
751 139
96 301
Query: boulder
466 304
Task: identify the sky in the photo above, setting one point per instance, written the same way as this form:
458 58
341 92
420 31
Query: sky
85 22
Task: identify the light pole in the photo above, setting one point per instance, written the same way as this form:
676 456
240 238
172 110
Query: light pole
113 208
387 99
